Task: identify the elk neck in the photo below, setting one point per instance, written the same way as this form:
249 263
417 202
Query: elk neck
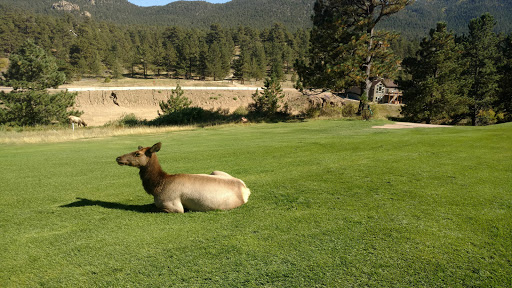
152 175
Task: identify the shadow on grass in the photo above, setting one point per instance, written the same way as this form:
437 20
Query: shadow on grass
81 202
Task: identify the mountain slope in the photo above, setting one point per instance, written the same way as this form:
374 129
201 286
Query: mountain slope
417 19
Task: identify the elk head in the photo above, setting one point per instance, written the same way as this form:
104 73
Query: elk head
139 158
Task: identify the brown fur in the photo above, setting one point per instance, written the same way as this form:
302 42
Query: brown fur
177 192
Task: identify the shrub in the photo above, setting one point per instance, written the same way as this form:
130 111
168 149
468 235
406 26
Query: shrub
190 115
487 117
349 110
36 107
176 101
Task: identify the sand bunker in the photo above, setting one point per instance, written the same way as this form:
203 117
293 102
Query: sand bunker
408 125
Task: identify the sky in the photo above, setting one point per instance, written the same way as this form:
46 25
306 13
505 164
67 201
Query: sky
164 2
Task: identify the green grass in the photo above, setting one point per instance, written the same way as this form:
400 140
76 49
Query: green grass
334 204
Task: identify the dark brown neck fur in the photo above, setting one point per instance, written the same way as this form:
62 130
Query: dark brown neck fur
152 175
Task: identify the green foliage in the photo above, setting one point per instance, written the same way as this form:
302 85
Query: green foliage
192 115
32 68
176 101
488 117
415 20
267 102
36 107
345 49
505 85
127 120
433 91
4 63
482 56
349 110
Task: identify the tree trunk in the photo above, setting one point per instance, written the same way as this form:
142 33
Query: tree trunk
368 81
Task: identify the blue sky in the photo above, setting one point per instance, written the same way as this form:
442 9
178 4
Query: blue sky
164 2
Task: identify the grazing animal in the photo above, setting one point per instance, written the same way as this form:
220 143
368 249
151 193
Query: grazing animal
179 192
77 120
244 120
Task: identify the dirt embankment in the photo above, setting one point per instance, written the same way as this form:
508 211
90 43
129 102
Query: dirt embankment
99 108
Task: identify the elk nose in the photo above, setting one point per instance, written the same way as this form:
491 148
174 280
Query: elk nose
118 159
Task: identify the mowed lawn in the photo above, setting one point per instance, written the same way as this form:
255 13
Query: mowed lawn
334 203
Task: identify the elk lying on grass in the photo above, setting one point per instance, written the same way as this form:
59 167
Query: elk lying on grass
77 120
179 192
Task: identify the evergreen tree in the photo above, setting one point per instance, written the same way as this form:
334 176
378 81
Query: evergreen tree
433 89
220 51
267 102
176 101
36 107
344 45
505 96
33 71
32 68
242 64
190 52
258 61
481 52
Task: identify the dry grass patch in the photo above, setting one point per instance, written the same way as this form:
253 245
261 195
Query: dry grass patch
63 135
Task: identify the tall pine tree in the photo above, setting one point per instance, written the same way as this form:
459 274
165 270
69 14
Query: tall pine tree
482 54
345 47
505 96
433 87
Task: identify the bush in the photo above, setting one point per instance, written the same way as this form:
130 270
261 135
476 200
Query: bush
189 115
349 110
127 120
36 107
487 117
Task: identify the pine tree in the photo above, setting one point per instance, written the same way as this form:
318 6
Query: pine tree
175 102
32 68
220 51
30 72
433 89
505 95
267 102
481 52
344 45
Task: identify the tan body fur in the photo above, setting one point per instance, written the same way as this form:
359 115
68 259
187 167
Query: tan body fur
77 120
195 192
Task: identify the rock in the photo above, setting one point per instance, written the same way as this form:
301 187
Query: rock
65 6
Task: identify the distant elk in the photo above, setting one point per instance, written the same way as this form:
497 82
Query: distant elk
180 192
77 120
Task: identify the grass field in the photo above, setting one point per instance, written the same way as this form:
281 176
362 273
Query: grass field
334 203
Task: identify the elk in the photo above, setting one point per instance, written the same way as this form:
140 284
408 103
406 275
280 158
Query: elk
180 192
77 120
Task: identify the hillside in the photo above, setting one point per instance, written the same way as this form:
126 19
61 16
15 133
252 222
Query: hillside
416 20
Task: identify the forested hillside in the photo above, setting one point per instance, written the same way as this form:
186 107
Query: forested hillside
415 21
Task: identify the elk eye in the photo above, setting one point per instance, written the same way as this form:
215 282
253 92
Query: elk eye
137 154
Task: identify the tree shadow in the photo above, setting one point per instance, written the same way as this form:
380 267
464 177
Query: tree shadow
82 202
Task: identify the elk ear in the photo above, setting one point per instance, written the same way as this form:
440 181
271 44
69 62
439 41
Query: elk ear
156 147
140 147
